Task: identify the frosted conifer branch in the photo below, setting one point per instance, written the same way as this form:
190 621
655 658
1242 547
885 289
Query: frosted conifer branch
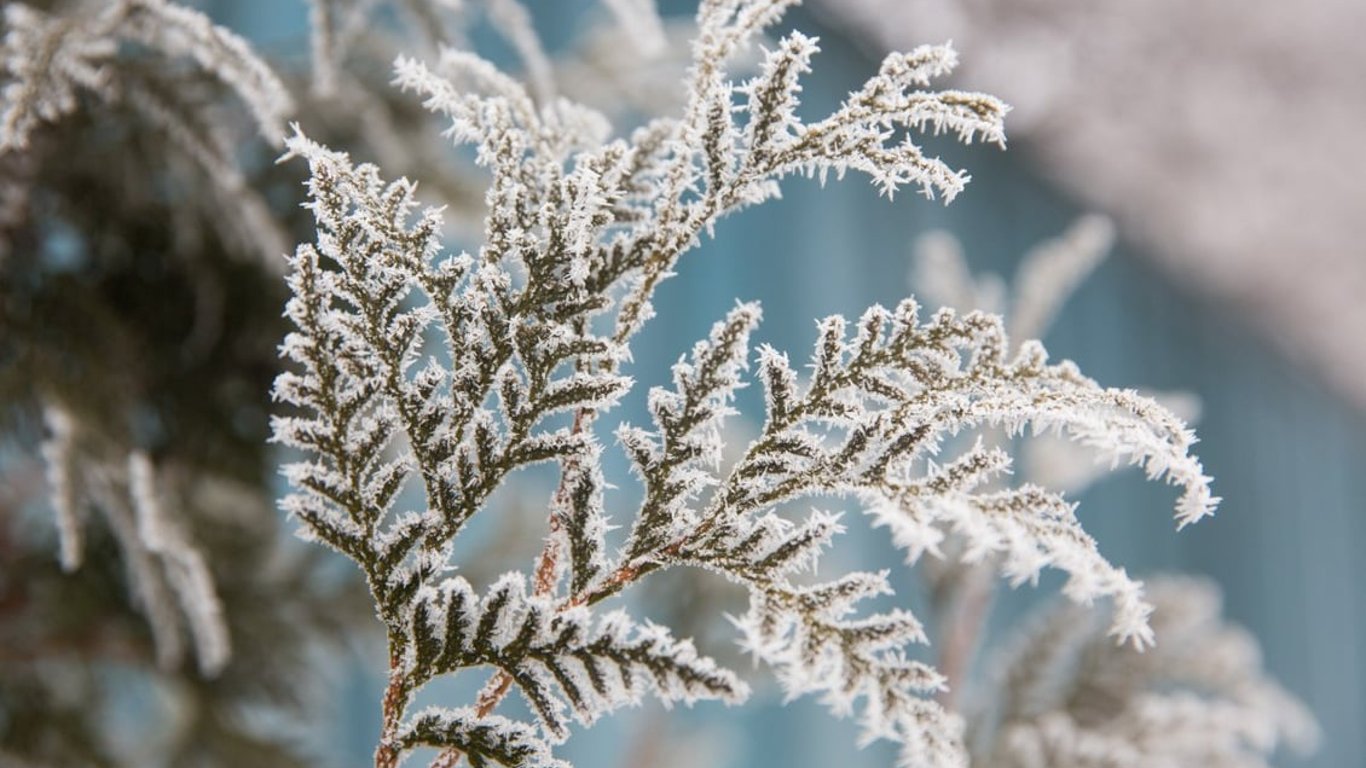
877 406
49 60
676 178
559 659
482 739
460 447
447 371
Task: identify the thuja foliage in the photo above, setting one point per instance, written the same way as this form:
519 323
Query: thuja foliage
1060 692
423 379
141 227
139 314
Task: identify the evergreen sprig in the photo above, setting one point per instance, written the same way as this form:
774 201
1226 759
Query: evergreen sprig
445 373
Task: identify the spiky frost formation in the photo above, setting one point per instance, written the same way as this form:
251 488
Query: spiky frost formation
448 372
877 407
1068 698
961 584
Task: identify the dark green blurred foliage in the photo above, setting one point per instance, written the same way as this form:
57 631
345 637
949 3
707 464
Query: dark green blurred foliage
121 300
127 296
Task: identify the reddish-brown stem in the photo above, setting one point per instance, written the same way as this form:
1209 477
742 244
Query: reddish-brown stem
498 686
387 754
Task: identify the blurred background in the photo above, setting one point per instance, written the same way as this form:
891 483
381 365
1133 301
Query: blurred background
1219 138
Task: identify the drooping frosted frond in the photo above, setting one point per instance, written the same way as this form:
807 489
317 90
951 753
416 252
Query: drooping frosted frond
877 406
1046 277
147 580
46 65
167 572
165 71
176 31
1028 527
898 387
1055 462
185 567
49 60
1069 698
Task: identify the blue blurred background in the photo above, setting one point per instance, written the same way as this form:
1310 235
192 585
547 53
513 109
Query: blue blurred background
1287 455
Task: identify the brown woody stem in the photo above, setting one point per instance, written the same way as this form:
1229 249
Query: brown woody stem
388 752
